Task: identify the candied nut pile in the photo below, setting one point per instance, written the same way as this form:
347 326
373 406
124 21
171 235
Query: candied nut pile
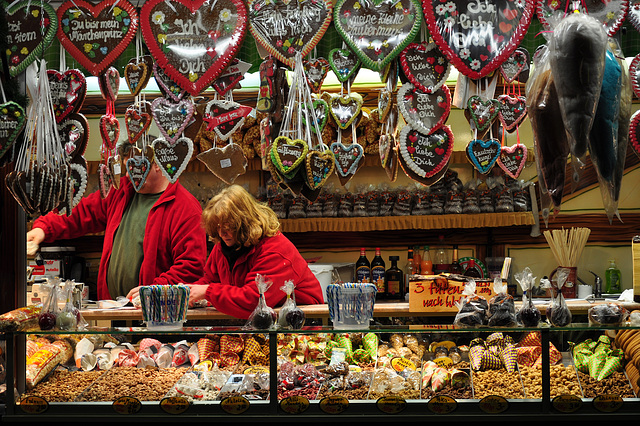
616 384
351 394
563 381
455 393
497 382
64 385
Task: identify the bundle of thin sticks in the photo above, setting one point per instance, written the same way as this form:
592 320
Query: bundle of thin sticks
567 245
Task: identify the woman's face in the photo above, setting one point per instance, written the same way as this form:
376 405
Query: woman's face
227 235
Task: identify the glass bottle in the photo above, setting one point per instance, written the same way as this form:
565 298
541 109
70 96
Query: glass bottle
363 268
426 265
393 280
612 278
408 269
455 267
417 259
441 258
377 273
472 270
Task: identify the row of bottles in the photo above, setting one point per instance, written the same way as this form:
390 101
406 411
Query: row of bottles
390 282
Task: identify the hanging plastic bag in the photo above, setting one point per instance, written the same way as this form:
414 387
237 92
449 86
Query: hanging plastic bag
472 309
50 309
263 317
502 309
67 318
290 315
558 313
528 315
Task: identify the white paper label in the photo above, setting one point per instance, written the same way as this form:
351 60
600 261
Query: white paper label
225 163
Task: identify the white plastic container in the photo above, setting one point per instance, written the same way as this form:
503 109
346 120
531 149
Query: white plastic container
323 273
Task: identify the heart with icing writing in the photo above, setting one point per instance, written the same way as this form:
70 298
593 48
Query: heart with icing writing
172 158
348 159
225 117
13 119
514 67
512 159
478 36
172 117
114 162
344 63
138 168
425 66
193 41
315 71
286 28
227 163
425 155
137 123
109 83
104 180
79 178
167 86
321 111
31 28
634 74
345 109
287 155
634 132
610 12
74 134
231 76
483 154
109 130
377 30
68 90
386 100
319 166
425 112
96 35
137 73
512 111
483 112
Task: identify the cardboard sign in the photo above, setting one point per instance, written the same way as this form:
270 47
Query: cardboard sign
436 293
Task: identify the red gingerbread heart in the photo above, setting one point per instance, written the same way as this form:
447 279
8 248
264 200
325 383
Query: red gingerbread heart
109 130
68 90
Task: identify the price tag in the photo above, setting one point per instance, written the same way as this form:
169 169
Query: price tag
493 404
334 404
401 364
607 403
235 404
256 370
391 404
126 405
294 404
442 404
33 405
174 404
444 362
567 403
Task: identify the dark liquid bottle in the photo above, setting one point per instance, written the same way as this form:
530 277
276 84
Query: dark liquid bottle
394 281
363 268
377 273
455 267
472 270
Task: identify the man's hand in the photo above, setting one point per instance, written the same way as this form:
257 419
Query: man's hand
34 238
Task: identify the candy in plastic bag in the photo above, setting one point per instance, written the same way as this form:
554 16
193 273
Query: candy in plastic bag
558 313
290 315
528 315
263 317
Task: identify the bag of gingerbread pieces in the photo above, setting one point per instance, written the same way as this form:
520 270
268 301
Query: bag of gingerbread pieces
472 309
263 317
528 315
502 309
558 313
290 315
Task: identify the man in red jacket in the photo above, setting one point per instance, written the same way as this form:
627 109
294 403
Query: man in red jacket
152 236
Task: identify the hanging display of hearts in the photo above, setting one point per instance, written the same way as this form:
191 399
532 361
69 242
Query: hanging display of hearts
193 41
478 36
610 12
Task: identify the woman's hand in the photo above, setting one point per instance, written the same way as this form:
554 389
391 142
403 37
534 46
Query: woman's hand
133 293
197 292
34 238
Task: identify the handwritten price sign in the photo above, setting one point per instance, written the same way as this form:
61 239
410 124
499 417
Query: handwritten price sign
436 293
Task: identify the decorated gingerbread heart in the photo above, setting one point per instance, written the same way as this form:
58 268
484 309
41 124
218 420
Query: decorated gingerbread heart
344 63
377 31
634 133
391 167
225 117
512 111
138 168
610 12
68 90
137 123
425 112
477 36
13 119
227 163
483 112
386 101
287 155
104 180
633 15
137 73
193 41
483 154
172 158
169 88
319 166
115 170
109 83
79 178
348 159
172 117
515 66
74 134
231 76
512 159
96 35
31 28
425 155
321 112
384 148
286 28
345 109
634 74
109 130
315 71
425 66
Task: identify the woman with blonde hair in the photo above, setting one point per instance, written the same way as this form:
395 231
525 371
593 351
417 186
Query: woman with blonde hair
248 241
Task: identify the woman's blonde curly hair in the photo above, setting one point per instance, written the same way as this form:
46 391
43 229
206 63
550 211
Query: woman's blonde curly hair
236 209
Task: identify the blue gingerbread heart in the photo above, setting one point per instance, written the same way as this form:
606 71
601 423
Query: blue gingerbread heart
483 154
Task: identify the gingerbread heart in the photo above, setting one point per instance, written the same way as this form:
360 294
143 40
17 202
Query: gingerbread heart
137 73
226 163
172 158
68 90
483 154
193 41
30 29
515 65
634 74
425 66
391 168
96 35
610 12
231 76
138 168
386 100
315 71
384 148
425 155
512 111
79 178
109 130
318 166
478 36
74 134
345 109
172 117
348 160
16 182
425 112
344 63
136 122
321 111
286 28
109 83
378 30
13 119
633 15
104 180
483 112
287 155
115 170
634 133
225 117
169 88
512 159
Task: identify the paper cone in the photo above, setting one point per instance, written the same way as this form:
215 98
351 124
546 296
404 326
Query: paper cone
611 365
